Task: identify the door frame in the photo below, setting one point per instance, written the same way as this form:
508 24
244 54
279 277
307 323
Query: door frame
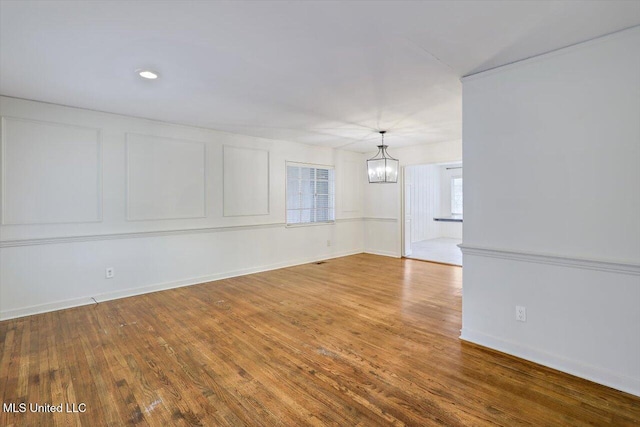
402 180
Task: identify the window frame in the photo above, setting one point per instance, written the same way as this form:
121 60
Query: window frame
332 203
453 178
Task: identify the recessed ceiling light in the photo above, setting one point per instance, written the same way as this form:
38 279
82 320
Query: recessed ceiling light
147 74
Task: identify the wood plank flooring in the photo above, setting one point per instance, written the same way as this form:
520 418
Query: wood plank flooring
361 340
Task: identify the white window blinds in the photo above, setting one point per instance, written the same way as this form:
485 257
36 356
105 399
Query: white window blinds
310 194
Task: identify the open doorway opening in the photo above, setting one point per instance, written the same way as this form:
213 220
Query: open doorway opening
433 212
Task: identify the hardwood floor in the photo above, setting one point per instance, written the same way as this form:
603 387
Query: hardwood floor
361 340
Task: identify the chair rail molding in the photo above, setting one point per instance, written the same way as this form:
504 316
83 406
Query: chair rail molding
623 267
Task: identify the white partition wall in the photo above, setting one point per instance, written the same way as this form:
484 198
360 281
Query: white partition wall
163 205
552 209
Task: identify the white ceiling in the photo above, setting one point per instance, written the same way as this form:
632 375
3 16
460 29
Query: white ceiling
326 73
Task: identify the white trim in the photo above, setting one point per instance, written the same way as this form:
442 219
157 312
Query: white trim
380 219
132 235
353 219
307 165
591 373
127 188
76 302
224 214
99 176
623 267
310 224
382 253
549 54
155 233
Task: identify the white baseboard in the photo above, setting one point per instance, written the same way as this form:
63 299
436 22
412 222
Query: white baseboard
383 253
87 300
592 373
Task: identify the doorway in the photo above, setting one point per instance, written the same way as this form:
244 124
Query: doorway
432 205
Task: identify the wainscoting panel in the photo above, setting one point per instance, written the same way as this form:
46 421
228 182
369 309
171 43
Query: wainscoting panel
51 173
165 178
246 181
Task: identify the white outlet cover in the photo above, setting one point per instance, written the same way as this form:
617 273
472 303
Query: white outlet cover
521 313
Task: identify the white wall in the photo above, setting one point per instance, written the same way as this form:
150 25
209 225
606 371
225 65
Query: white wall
165 205
552 209
425 198
382 202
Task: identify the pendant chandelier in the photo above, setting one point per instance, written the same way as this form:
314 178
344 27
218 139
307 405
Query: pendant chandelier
382 168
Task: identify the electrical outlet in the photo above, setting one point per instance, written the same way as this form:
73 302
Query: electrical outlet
109 272
521 313
328 242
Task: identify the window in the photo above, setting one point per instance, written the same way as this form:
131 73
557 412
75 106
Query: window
456 195
310 194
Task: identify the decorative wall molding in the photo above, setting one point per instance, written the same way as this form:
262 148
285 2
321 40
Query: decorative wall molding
67 201
146 234
134 235
382 253
380 219
342 220
243 180
132 139
550 259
